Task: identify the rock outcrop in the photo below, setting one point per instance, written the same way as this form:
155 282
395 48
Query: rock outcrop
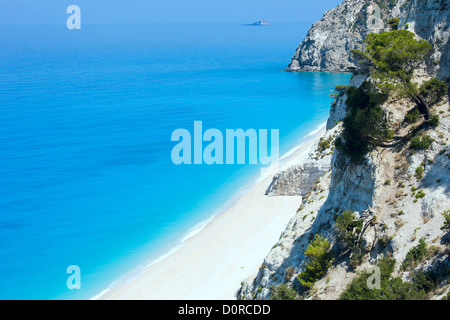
338 112
296 180
430 20
328 43
299 180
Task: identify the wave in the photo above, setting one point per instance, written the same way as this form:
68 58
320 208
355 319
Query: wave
141 269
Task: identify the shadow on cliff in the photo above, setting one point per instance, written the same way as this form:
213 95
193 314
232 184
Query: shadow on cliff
437 176
322 224
352 188
352 184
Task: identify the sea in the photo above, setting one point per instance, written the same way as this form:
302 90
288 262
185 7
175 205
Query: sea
86 119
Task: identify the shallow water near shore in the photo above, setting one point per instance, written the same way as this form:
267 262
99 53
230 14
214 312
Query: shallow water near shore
85 124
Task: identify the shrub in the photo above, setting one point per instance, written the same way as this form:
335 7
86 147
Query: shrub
396 289
394 23
421 143
415 255
319 260
384 240
446 226
433 90
348 228
289 273
333 104
283 292
419 172
420 194
434 120
425 281
390 288
341 89
324 144
412 116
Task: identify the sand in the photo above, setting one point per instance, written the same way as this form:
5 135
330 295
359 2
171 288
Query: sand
212 264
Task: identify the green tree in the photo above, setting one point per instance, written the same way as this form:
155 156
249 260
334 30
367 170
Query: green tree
391 57
319 260
365 125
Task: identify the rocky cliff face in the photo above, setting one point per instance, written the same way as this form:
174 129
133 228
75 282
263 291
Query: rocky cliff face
340 109
328 43
430 20
397 203
398 209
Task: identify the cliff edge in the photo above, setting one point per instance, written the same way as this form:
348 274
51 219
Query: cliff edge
390 209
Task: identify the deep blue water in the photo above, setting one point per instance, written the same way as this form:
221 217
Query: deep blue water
86 117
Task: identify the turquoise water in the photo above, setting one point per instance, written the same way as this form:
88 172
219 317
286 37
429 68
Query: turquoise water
85 124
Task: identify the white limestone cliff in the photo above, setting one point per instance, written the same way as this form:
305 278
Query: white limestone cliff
381 189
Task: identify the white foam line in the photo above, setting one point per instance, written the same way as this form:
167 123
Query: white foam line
201 225
317 130
140 269
191 233
96 297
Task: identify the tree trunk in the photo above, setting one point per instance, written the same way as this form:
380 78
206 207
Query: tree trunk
422 105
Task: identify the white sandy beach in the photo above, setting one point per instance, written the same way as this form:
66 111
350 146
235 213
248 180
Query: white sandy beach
212 264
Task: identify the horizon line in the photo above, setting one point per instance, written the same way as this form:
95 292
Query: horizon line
240 23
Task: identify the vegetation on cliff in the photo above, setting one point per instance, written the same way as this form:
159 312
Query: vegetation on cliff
319 260
389 289
392 136
389 60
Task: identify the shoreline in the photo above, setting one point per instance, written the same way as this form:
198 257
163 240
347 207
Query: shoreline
151 281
